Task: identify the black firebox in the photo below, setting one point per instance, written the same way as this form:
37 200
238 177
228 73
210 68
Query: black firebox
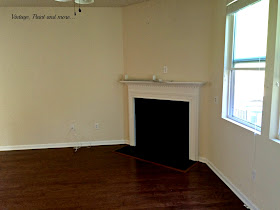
162 133
162 130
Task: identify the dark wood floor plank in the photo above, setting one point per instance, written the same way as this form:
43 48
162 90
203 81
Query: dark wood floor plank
98 178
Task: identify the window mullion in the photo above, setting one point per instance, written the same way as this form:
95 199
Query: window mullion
248 69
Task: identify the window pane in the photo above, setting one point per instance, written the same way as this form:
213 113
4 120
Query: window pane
251 31
248 90
250 65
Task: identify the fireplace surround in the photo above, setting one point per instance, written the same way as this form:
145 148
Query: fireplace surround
172 91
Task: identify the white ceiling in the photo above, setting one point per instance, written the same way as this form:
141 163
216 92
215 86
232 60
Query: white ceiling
53 3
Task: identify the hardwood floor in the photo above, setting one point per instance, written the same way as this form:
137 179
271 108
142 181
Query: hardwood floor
97 178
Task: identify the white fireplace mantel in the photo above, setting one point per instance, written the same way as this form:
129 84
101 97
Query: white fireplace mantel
163 83
174 91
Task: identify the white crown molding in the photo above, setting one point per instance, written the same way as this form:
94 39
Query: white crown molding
62 145
234 189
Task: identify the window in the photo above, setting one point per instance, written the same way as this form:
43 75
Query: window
245 61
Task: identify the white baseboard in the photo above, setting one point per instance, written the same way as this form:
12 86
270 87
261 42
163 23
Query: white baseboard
203 160
62 145
234 189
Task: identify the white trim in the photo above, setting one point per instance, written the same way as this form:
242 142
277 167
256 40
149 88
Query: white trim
166 82
188 91
236 5
243 125
229 2
276 140
127 141
248 69
62 145
203 160
234 189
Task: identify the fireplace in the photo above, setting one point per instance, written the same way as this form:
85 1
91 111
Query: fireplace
185 94
162 130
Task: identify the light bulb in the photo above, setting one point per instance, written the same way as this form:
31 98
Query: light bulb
84 1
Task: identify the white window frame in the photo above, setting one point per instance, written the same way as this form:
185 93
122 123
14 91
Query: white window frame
228 89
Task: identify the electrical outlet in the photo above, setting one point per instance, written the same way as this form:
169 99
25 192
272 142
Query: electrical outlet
97 126
216 99
72 127
254 174
165 69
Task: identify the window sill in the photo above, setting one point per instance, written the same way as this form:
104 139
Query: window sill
276 140
243 126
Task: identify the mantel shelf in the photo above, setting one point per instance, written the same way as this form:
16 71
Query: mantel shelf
151 82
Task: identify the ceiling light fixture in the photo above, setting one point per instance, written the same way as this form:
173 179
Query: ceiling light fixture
84 1
78 2
63 0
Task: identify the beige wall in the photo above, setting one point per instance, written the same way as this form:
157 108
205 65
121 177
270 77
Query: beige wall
234 150
188 36
54 73
175 33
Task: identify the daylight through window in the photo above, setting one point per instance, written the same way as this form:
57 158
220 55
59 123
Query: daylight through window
246 60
